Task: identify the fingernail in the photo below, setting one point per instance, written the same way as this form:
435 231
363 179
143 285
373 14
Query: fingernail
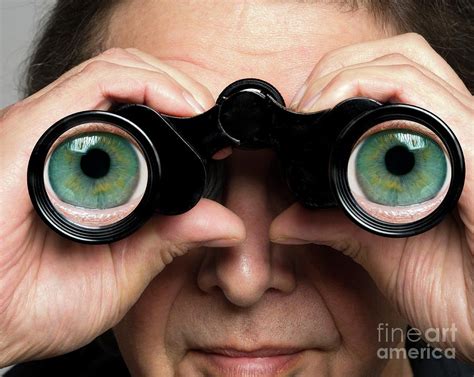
223 153
308 105
290 241
299 95
196 106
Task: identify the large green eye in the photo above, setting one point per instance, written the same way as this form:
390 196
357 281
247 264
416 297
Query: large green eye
96 170
398 167
398 172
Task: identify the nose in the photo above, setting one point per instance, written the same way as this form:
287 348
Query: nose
245 272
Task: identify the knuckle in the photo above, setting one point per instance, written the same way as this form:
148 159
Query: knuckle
408 70
132 50
395 56
166 76
94 67
11 111
115 52
342 77
416 39
161 77
331 61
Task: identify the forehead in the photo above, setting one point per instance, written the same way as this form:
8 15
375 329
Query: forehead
217 42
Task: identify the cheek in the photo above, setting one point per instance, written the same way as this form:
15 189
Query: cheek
141 334
357 306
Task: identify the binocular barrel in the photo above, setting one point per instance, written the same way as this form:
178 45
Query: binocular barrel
395 169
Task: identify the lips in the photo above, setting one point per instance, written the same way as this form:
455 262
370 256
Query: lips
262 352
259 362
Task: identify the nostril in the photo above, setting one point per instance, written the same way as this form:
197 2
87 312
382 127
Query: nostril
206 279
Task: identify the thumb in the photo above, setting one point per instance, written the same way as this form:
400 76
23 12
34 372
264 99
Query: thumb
331 227
140 257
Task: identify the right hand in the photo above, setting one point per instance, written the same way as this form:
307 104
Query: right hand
57 295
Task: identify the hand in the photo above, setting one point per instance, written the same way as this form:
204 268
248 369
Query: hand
57 295
428 278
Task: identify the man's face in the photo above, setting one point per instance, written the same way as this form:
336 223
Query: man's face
259 308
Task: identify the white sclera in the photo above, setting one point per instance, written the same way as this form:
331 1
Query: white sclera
402 214
97 218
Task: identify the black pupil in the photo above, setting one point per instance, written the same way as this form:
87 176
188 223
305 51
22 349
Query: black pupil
399 160
95 163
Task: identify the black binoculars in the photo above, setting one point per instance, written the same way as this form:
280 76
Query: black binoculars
97 176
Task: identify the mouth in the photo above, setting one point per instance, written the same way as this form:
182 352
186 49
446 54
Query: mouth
260 362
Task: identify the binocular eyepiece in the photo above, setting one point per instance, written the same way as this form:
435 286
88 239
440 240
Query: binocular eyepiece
395 169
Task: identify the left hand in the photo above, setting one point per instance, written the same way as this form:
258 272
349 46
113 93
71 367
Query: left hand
428 278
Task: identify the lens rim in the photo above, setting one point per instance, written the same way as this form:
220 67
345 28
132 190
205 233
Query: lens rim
348 138
265 88
66 228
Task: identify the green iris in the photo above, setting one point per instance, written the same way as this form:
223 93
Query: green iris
400 167
94 170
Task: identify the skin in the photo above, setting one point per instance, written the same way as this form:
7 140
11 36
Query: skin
257 258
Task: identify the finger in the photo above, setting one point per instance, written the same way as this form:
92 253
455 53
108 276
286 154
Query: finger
201 93
223 153
307 99
113 55
393 83
411 45
142 256
200 96
105 83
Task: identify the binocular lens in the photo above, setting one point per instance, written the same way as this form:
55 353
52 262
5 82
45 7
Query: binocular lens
95 174
399 171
